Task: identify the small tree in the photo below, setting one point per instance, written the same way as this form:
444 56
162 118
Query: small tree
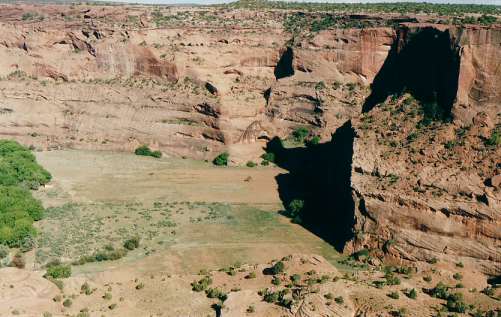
221 159
278 268
300 134
132 243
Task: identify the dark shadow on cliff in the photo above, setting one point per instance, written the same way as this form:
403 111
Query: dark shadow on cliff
285 66
320 176
425 64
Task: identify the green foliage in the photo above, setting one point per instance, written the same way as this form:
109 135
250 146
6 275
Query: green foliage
221 159
295 209
315 140
144 150
278 268
18 209
300 134
107 254
19 167
216 293
132 243
4 251
276 281
58 271
412 294
268 156
495 139
251 164
295 278
67 302
339 300
202 284
394 295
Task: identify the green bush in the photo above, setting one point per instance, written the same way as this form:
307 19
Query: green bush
251 164
278 268
58 271
394 295
295 209
144 150
412 294
132 243
314 140
300 134
268 156
67 302
202 284
221 159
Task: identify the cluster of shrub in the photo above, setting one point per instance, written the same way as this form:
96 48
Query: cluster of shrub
109 253
144 150
19 172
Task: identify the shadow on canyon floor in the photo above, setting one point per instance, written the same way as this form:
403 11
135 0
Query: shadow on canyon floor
425 64
320 176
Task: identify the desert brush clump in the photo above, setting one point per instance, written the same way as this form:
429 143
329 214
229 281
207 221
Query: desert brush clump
144 150
221 159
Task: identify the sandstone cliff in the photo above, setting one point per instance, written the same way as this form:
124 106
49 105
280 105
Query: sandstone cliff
426 191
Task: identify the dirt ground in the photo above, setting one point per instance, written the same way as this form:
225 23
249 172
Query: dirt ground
195 221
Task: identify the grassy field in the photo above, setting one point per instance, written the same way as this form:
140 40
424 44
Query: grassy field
188 214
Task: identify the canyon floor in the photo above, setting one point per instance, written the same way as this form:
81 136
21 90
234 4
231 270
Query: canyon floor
197 220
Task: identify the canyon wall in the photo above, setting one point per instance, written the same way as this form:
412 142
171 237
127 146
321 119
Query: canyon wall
424 192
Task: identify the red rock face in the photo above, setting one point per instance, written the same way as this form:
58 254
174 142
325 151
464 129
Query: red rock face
480 77
432 192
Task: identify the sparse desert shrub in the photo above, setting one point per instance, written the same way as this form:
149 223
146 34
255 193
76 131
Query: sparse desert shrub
315 140
294 211
300 134
144 150
251 275
495 138
251 164
18 261
329 296
4 251
221 159
140 286
216 293
132 243
278 268
251 309
67 302
295 278
457 276
268 156
394 295
489 291
427 278
412 294
58 271
202 284
339 300
276 280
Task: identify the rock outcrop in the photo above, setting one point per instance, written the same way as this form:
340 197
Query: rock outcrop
428 189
